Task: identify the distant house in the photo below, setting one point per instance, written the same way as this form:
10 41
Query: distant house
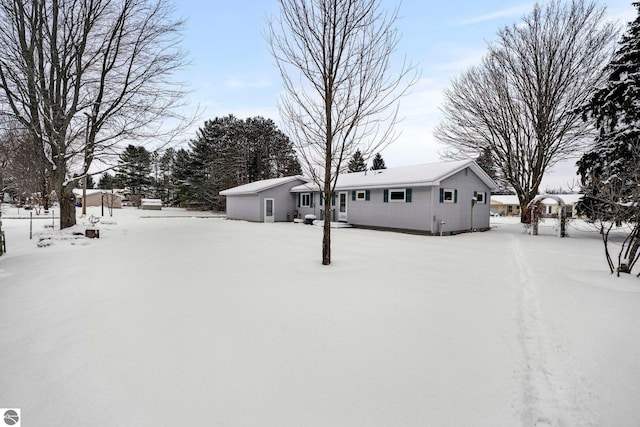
269 200
99 198
508 205
447 197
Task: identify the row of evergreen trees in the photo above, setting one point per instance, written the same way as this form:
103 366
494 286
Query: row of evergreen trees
226 152
358 163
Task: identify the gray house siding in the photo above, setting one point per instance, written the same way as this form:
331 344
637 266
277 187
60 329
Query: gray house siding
246 207
284 202
457 215
313 209
375 212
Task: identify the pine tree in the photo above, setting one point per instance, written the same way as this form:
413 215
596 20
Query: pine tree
357 163
610 171
614 109
107 182
181 179
229 151
378 163
135 169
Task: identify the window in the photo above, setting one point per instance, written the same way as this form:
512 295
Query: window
305 200
397 195
481 197
361 195
448 195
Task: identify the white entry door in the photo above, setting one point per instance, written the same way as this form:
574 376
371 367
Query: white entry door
269 211
342 207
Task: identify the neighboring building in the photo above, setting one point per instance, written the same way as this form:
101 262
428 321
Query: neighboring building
448 197
151 204
505 205
99 198
269 200
508 205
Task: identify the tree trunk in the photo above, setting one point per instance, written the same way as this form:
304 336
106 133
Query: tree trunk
326 229
67 207
326 238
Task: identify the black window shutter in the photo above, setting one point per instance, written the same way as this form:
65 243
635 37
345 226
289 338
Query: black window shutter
353 194
455 196
442 195
367 195
311 200
386 196
408 195
299 197
333 199
321 198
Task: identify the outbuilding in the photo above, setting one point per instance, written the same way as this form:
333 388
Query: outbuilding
96 197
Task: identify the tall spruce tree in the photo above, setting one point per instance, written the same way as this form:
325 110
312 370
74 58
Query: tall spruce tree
181 179
378 163
357 163
134 169
610 171
228 151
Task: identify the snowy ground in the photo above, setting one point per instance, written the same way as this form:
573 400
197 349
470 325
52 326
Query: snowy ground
183 320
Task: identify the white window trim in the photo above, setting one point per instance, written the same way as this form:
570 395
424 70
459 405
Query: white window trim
361 195
404 195
481 197
453 195
302 203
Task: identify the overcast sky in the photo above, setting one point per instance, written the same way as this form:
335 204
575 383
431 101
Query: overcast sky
232 71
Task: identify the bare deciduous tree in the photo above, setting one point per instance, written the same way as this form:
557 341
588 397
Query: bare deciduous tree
522 102
82 76
341 90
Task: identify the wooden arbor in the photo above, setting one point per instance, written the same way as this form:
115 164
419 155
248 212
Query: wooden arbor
535 206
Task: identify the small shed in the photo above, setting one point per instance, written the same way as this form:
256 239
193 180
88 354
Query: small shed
151 204
269 200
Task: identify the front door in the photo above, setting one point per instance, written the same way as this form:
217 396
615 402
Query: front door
342 207
269 212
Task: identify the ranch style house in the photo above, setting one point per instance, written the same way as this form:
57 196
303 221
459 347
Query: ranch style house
435 198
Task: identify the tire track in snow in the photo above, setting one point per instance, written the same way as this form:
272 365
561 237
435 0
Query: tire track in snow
553 393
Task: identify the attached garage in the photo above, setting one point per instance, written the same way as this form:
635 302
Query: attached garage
269 200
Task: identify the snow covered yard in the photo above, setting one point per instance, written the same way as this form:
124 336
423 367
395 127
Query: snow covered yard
172 319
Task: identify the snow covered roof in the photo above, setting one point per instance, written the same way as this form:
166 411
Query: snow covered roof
414 176
258 186
510 199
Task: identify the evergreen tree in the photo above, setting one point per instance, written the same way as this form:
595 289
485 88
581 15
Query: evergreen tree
181 178
229 151
614 110
167 161
90 183
378 163
108 182
134 169
357 163
610 171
